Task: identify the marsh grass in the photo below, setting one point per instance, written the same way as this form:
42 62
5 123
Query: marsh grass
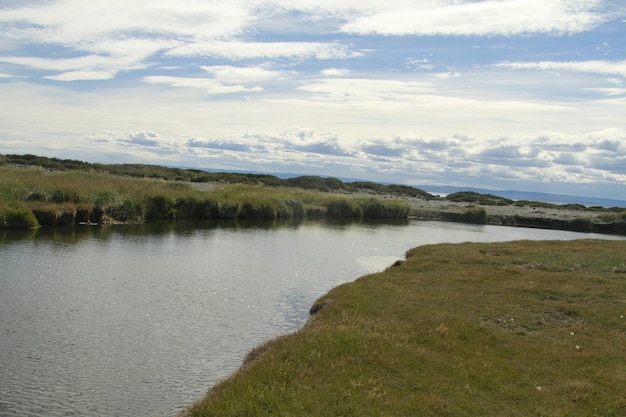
516 329
101 197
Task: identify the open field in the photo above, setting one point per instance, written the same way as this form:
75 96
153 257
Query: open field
516 329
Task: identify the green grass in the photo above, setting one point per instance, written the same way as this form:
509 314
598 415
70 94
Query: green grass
17 217
506 329
65 197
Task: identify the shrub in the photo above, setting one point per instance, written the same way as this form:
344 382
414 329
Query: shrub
292 208
474 215
35 195
343 208
225 210
314 211
187 208
159 207
394 209
17 218
125 212
256 211
64 197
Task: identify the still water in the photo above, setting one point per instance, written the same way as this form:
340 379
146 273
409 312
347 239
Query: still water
142 321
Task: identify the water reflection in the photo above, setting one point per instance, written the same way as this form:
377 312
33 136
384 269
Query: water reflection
142 320
182 227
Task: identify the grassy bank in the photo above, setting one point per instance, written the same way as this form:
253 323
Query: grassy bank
515 329
30 197
132 193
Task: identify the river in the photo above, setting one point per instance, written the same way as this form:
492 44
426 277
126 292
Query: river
143 320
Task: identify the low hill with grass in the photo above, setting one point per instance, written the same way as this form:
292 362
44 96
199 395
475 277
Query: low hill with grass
503 329
307 182
34 196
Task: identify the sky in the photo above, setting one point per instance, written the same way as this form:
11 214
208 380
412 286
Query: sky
498 94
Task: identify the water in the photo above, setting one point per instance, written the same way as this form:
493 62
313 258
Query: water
142 321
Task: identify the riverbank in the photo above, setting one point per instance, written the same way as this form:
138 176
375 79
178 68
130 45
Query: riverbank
497 211
34 197
527 214
66 193
518 328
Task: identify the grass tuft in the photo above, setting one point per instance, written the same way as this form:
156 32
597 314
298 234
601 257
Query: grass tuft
17 218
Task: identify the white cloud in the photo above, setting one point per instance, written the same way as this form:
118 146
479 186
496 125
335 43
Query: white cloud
109 58
211 85
70 22
597 157
140 138
68 64
611 92
335 72
242 136
491 17
351 89
447 75
128 49
237 50
245 75
421 64
598 67
117 35
81 76
594 158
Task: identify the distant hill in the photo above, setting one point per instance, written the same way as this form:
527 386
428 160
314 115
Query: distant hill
529 196
309 182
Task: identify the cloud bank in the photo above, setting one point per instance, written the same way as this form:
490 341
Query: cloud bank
526 94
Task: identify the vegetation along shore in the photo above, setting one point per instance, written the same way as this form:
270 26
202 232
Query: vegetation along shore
36 196
40 191
517 329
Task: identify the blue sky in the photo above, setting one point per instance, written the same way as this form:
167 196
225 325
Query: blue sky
497 94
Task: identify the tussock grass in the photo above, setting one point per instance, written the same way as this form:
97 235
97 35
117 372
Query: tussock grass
516 329
476 215
66 197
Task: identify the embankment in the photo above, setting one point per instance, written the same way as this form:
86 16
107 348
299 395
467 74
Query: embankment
580 219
